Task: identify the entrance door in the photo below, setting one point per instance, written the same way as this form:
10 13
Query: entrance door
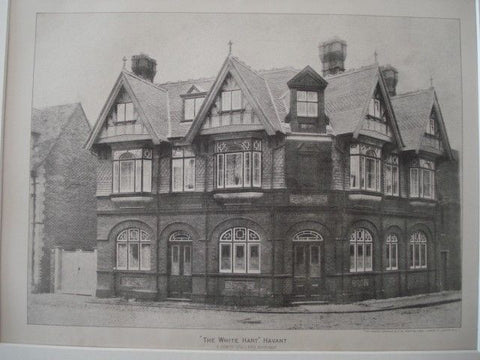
180 269
307 269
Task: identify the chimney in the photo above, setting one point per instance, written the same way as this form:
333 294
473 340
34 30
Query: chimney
144 66
332 54
390 76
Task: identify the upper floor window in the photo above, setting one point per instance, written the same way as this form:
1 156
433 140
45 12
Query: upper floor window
239 251
238 163
307 103
432 125
361 250
418 250
422 179
133 250
125 112
231 100
183 169
132 171
391 252
376 108
365 167
192 107
391 175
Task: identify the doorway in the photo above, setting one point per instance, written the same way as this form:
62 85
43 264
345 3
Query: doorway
180 266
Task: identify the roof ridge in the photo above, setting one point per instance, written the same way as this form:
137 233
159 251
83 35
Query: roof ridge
186 81
240 62
274 70
42 108
413 92
351 71
143 80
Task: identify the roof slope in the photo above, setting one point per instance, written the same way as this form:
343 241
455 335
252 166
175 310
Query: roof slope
413 111
49 123
347 96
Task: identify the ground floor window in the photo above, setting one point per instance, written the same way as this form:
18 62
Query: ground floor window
418 250
239 251
391 252
361 251
133 250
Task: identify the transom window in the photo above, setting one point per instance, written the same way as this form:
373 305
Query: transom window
132 171
307 103
239 251
133 250
125 112
365 168
307 235
238 163
183 169
391 252
422 179
391 175
180 236
418 250
192 107
361 250
232 100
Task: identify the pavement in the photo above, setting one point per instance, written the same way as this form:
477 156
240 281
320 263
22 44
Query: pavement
366 306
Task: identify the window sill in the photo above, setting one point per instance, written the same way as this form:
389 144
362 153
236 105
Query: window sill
364 195
137 200
238 197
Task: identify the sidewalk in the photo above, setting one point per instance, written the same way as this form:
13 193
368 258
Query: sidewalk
373 305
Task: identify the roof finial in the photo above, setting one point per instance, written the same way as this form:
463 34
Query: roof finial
375 54
230 43
124 62
431 81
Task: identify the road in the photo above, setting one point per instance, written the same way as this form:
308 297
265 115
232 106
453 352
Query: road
56 309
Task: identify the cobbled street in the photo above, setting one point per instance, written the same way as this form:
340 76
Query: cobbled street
56 309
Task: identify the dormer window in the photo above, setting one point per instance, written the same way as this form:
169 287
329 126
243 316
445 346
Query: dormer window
125 112
307 103
432 126
192 107
376 109
231 100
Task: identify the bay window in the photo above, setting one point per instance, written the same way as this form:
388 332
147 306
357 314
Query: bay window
133 250
365 168
132 171
183 169
418 250
361 251
239 251
391 175
422 179
307 103
238 163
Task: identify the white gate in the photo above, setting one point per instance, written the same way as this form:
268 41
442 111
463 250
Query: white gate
75 272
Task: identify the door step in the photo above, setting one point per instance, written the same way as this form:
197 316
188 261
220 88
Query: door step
179 299
309 302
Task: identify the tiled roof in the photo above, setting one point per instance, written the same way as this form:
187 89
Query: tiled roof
49 123
412 111
347 96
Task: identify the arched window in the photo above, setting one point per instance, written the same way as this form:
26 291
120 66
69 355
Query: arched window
307 235
133 250
239 251
418 250
391 252
361 250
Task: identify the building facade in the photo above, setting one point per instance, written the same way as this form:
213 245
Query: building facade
273 186
62 188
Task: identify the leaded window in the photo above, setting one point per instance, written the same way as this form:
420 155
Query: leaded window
365 167
361 250
132 171
418 250
133 250
238 163
239 251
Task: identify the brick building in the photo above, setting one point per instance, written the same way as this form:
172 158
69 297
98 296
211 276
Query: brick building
272 186
62 188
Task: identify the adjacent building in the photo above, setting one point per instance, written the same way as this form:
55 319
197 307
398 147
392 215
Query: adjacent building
62 188
272 186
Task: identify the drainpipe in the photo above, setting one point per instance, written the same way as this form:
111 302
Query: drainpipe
157 213
33 176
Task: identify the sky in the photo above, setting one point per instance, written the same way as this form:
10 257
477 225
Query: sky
78 57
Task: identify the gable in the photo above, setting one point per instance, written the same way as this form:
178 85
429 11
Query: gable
230 111
432 139
378 121
123 121
307 79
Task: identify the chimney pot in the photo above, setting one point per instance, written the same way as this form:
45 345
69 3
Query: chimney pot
390 75
332 54
144 66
